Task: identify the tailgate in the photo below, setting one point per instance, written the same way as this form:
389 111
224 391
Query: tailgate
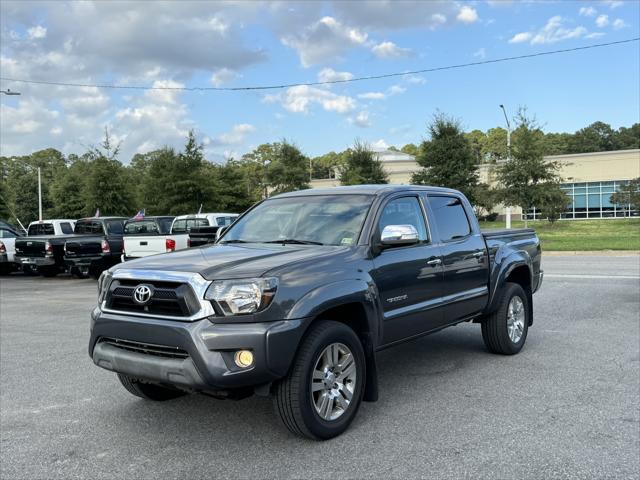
79 248
143 246
30 247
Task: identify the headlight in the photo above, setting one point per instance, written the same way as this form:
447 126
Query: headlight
239 297
103 285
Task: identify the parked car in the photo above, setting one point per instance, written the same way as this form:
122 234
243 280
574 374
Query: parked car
149 236
42 249
202 228
8 235
303 289
95 246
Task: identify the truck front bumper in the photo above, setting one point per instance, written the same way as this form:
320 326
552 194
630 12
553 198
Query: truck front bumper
197 356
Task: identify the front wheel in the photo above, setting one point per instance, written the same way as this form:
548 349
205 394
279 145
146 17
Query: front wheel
320 396
505 330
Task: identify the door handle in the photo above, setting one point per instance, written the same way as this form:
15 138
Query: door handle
434 262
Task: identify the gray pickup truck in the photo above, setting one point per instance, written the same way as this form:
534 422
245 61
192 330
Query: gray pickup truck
299 294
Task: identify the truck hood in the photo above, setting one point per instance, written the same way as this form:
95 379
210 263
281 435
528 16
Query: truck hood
232 261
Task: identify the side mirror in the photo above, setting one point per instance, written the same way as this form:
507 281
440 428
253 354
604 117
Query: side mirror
394 235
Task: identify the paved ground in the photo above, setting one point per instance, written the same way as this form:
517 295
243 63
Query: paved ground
567 406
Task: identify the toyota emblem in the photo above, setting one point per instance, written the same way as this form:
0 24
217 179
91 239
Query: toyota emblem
142 294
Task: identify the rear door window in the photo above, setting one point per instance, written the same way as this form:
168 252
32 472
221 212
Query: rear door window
41 229
88 228
115 227
450 217
66 228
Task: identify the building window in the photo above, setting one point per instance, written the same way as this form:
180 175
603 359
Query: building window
591 200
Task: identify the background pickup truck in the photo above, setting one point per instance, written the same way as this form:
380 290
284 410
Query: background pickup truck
303 289
150 236
42 250
202 228
95 246
8 235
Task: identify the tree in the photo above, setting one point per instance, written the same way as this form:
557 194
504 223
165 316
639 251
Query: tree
557 143
447 159
627 138
289 169
526 176
597 137
326 166
485 200
628 195
477 140
68 191
410 149
495 149
553 201
362 167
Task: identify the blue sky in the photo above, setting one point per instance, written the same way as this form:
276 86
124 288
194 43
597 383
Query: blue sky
253 43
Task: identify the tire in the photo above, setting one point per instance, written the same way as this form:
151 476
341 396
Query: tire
149 391
496 332
48 271
293 399
79 272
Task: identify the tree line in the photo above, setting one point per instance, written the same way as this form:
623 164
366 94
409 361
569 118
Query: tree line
167 181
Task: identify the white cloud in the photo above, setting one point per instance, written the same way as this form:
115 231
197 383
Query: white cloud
379 145
602 21
223 76
236 136
390 50
414 79
553 31
37 32
481 53
324 40
438 19
618 24
588 11
595 35
396 90
467 14
299 99
613 3
372 96
330 75
521 37
361 119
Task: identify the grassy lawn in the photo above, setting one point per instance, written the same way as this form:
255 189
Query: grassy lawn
623 234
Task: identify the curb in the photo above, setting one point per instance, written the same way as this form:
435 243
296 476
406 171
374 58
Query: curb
592 253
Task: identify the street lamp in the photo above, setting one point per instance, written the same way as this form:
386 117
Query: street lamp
9 92
507 209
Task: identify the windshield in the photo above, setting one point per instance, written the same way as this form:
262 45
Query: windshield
322 219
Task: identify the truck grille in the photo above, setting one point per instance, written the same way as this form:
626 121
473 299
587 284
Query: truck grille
145 348
168 299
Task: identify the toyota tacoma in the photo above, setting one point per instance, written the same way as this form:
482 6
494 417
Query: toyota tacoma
298 295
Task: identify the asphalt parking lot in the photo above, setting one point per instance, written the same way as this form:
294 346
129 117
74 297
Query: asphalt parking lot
567 406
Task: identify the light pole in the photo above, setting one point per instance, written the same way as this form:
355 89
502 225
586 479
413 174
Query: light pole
507 209
9 92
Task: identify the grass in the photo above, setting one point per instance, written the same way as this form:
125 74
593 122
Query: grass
569 235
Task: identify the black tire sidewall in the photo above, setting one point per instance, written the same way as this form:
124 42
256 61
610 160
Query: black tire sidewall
514 290
319 427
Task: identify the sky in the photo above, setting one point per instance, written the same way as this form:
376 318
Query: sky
245 43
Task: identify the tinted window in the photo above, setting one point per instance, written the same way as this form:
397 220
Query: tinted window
115 227
7 234
88 228
404 211
450 218
224 221
142 227
185 224
66 228
165 225
41 229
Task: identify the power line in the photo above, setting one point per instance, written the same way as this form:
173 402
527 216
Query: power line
329 82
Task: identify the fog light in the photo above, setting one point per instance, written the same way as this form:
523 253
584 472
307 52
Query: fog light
243 358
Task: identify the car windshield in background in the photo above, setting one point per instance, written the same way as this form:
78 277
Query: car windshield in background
183 225
41 229
84 228
316 219
224 221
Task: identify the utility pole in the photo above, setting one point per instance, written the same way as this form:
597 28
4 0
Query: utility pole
39 195
508 209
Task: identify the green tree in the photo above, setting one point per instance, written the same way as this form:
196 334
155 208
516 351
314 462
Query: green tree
362 167
68 191
447 159
477 140
485 200
526 176
557 143
255 165
289 169
628 195
597 137
627 138
326 166
410 149
495 149
553 201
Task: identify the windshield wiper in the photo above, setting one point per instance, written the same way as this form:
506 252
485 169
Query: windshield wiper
293 241
234 241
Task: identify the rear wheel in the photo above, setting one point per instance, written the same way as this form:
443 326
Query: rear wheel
505 330
80 272
148 391
320 396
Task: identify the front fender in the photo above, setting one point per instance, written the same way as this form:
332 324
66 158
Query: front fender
336 294
506 262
